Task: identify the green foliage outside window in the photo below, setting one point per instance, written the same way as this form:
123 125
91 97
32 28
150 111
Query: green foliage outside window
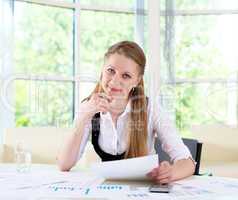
44 45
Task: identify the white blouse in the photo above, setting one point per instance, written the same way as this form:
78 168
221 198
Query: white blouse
113 138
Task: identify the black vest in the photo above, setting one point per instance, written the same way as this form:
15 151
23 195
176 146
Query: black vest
95 135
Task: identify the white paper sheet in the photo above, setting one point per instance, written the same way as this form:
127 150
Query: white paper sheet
22 185
128 169
202 185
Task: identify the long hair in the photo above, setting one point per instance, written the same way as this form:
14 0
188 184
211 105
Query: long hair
137 123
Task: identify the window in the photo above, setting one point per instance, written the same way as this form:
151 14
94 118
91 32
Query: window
200 61
6 57
58 52
43 38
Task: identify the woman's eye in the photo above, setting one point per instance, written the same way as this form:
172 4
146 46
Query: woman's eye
111 71
126 76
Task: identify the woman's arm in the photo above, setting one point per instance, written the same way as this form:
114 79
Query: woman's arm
68 156
182 169
166 173
183 165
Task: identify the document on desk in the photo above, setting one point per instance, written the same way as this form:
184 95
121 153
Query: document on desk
46 183
208 185
127 169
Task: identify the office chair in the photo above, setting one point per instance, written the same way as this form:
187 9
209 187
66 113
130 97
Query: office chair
193 145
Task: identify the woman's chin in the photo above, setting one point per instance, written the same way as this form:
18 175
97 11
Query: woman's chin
119 97
116 95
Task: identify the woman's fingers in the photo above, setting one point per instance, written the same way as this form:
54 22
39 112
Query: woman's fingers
165 178
102 102
101 97
162 176
164 172
164 165
153 173
163 181
105 96
102 108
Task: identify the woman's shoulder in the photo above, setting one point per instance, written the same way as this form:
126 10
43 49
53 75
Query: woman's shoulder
156 107
154 103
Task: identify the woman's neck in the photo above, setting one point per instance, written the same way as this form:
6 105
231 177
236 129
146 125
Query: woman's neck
117 106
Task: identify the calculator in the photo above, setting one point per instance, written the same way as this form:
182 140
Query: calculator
160 188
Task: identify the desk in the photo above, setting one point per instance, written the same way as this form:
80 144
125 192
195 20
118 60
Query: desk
45 182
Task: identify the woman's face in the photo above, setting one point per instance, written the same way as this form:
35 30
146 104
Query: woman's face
119 75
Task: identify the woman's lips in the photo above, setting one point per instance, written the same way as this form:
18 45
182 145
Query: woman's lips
115 90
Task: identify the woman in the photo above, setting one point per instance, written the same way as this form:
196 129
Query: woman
121 119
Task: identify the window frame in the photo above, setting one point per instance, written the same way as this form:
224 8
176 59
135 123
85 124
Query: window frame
154 14
76 79
6 117
197 81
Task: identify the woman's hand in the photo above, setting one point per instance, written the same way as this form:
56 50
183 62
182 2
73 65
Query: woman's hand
99 102
162 174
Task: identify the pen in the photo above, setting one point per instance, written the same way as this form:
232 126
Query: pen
87 191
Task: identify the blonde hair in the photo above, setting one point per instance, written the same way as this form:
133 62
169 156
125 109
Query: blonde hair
137 127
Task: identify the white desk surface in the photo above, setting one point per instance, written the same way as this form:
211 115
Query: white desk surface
45 182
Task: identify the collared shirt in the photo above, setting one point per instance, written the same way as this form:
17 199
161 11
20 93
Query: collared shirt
113 138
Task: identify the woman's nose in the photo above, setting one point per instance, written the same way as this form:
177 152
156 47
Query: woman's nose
115 80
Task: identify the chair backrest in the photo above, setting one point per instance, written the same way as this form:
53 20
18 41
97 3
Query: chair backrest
193 145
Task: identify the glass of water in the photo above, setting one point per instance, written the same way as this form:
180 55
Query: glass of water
22 158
